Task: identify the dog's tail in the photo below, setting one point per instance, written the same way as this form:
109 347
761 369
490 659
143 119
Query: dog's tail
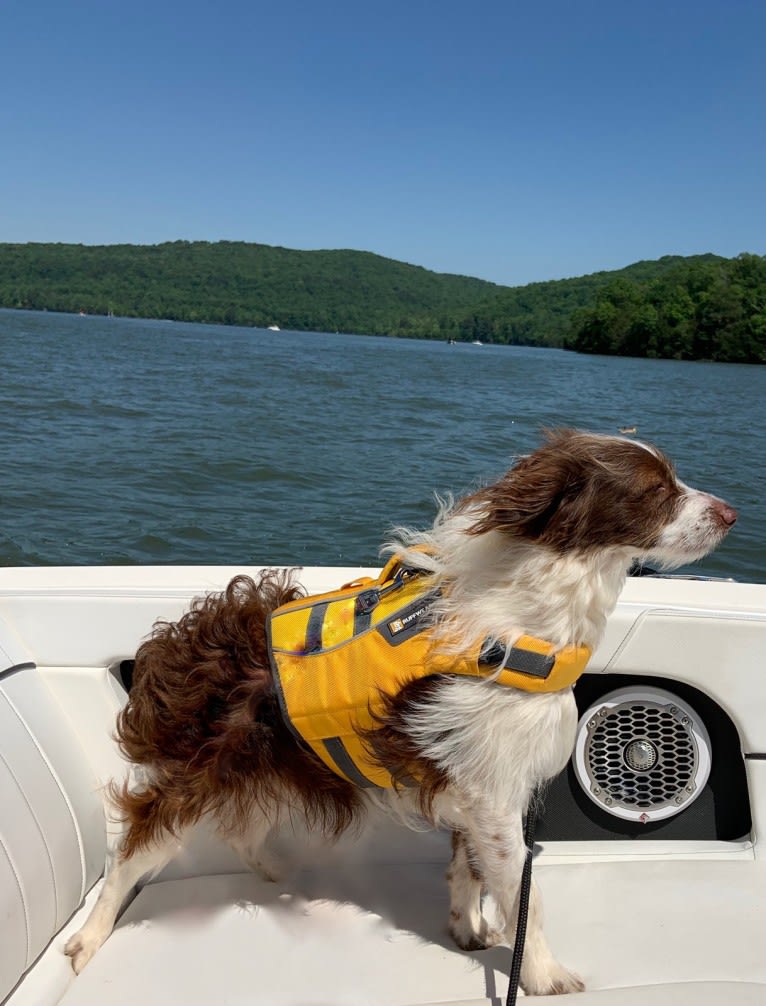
201 708
187 672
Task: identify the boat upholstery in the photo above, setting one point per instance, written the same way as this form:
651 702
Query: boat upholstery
363 921
52 830
351 934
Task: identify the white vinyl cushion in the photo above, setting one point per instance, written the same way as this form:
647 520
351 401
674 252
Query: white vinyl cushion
52 831
236 939
638 933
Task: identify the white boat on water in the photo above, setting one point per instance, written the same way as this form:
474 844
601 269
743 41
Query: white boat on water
273 328
653 868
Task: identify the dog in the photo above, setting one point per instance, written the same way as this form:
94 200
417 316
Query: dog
544 552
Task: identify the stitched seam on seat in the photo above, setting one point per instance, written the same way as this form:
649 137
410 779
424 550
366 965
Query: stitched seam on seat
43 836
64 794
24 905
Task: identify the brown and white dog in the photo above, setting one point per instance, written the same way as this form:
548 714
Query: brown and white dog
543 552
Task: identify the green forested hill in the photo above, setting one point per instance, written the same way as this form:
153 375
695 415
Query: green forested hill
697 310
700 306
543 313
232 283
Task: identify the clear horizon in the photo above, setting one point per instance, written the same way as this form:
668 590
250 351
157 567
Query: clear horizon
510 143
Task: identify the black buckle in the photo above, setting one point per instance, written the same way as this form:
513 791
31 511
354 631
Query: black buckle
366 601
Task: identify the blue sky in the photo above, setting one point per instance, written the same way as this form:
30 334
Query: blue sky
511 141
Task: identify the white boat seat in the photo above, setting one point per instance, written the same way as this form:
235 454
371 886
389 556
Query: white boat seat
378 936
52 829
677 994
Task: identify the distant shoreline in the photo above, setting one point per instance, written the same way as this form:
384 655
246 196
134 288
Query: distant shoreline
352 335
697 307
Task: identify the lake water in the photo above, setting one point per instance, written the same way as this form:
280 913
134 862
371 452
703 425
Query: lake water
125 441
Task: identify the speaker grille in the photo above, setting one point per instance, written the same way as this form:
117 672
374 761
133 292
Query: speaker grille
642 755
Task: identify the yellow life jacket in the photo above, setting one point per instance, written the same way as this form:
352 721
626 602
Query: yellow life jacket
334 654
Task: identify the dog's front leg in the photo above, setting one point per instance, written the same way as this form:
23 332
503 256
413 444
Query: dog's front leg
499 845
124 875
467 926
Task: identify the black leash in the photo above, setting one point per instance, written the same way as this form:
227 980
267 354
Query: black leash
521 921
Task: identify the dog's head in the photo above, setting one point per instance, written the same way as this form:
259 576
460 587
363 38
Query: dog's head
584 492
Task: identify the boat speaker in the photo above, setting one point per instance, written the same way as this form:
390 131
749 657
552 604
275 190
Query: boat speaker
642 754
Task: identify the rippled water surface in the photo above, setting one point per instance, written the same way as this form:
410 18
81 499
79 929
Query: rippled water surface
127 441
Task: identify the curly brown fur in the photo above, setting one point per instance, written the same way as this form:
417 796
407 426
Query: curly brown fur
203 716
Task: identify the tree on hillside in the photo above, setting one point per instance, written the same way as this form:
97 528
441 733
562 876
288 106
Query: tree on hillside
697 311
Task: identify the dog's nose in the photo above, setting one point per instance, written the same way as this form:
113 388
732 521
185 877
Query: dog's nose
726 513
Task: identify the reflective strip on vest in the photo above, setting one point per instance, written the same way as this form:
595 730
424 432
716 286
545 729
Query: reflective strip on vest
334 654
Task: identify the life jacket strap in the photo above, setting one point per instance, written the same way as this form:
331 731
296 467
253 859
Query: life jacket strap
536 665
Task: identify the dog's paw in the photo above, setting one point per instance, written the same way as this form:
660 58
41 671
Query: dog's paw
267 866
81 947
555 980
269 872
468 937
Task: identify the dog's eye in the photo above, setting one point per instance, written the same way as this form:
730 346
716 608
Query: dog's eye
659 489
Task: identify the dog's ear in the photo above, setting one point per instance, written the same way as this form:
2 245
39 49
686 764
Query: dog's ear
524 501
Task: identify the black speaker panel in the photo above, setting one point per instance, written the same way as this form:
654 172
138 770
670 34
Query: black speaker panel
720 812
